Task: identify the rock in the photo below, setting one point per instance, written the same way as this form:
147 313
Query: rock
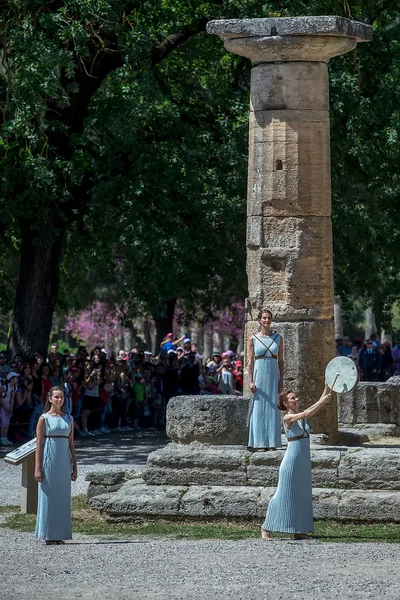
105 477
208 419
371 403
97 490
215 502
197 464
218 501
370 468
263 468
369 505
144 500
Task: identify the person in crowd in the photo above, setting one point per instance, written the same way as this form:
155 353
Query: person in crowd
121 396
138 401
171 376
396 357
25 371
7 396
170 342
54 356
291 509
354 354
369 362
215 361
187 346
44 373
5 369
226 377
266 370
149 394
37 398
55 468
345 348
158 414
23 407
238 373
91 399
190 376
386 366
55 375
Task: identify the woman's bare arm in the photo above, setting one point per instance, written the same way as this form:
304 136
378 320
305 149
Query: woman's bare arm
311 410
250 364
40 432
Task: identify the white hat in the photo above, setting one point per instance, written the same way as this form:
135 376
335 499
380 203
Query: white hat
147 352
11 375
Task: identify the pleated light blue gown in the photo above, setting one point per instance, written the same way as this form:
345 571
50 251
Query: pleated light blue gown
291 510
54 504
265 417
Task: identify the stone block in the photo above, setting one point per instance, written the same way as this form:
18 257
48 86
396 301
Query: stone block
370 468
98 490
208 419
289 166
219 501
105 477
371 403
144 500
325 468
291 26
263 468
289 86
369 505
326 503
197 464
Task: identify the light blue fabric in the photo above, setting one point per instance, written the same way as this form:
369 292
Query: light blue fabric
265 417
54 507
290 510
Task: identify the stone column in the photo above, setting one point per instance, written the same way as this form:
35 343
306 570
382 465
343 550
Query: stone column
369 322
289 232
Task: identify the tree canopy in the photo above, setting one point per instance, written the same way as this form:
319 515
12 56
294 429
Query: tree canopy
124 155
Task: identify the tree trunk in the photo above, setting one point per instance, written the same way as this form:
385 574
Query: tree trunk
164 324
35 297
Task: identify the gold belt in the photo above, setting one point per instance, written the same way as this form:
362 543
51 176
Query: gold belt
57 436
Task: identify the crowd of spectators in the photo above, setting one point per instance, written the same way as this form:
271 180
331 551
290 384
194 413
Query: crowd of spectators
377 361
125 391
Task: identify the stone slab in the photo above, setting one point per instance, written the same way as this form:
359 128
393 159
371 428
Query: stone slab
208 419
179 464
230 466
216 502
291 26
371 403
377 468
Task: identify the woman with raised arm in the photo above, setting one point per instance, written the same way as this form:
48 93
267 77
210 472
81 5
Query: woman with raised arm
265 369
55 468
290 509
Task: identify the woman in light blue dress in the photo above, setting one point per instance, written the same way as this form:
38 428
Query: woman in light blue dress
265 368
55 468
290 510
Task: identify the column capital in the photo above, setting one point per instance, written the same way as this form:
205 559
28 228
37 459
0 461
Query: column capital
286 39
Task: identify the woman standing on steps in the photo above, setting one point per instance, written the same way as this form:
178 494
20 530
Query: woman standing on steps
55 468
265 368
290 510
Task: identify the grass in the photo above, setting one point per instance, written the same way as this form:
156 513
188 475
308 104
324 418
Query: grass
90 522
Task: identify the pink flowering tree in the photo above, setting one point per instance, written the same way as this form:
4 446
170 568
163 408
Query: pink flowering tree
99 324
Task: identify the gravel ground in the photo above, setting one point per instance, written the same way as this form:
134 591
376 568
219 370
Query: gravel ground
106 452
89 568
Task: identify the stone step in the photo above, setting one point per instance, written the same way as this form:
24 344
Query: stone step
136 500
334 467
